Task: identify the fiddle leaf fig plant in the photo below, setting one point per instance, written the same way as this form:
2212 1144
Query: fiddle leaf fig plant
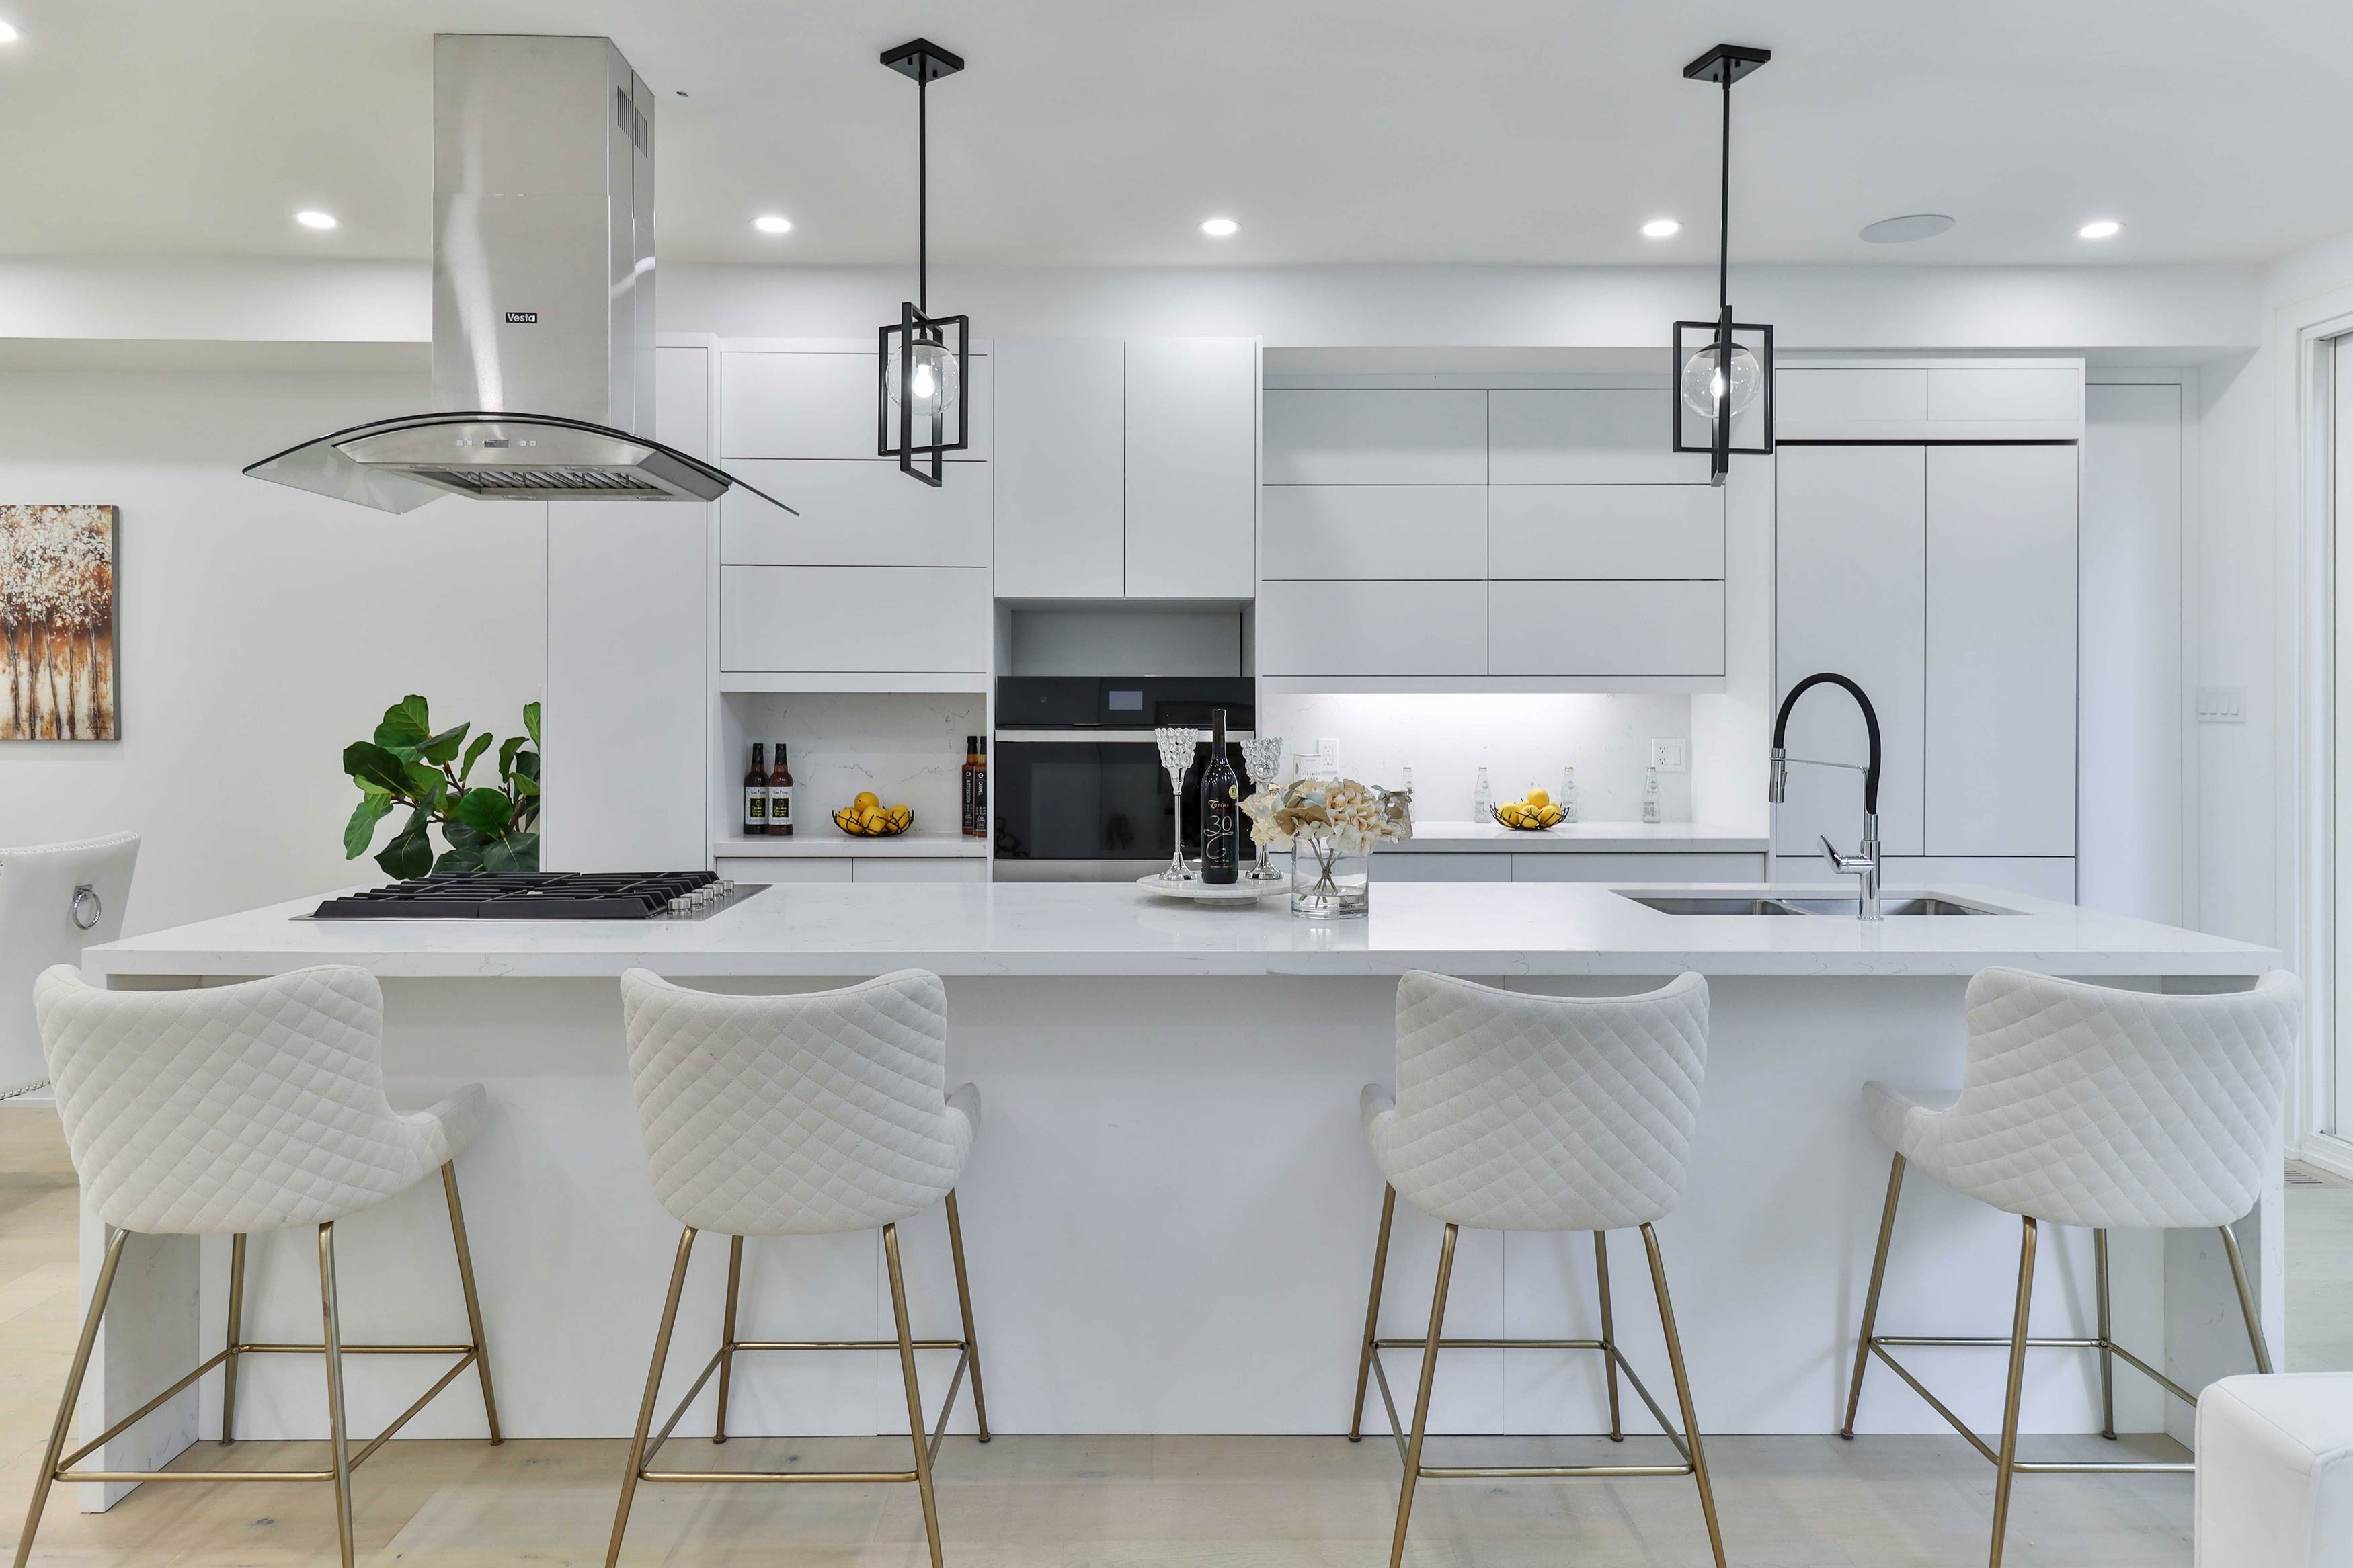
484 826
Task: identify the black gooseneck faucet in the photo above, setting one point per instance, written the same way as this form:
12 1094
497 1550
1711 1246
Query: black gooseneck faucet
1864 863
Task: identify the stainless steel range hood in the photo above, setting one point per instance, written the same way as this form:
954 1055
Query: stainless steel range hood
542 296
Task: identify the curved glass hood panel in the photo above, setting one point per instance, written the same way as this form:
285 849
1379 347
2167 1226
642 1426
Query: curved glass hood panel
398 464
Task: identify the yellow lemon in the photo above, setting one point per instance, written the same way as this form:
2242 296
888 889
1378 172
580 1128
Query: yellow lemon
866 800
1551 815
1538 798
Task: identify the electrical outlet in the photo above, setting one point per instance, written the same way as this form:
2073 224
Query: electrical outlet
2222 705
1671 756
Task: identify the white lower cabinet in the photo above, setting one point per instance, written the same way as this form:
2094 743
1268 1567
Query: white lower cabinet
2037 876
864 618
851 869
1372 628
1420 866
1604 628
905 870
754 871
1698 866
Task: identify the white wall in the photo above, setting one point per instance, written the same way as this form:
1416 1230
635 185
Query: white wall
261 629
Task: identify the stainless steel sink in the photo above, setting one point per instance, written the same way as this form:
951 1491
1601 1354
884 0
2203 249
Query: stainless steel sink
1765 903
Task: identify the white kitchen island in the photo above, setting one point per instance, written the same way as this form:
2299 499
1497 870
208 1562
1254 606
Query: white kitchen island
1170 1210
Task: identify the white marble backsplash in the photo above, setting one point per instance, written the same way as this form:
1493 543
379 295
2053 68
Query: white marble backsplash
905 747
1523 738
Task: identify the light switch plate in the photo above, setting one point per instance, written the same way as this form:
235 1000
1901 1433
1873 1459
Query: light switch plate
2222 705
1671 756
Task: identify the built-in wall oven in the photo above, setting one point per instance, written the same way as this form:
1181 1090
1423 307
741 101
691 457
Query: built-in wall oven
1077 790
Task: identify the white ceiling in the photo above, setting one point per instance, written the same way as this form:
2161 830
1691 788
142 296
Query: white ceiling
1101 131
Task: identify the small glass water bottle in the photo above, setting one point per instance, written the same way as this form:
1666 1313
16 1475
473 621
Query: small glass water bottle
1408 785
1483 798
1650 794
1567 801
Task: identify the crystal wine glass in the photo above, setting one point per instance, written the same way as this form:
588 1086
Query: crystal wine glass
1262 761
1178 742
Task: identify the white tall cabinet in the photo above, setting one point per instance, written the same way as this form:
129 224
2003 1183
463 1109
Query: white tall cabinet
1935 561
1126 469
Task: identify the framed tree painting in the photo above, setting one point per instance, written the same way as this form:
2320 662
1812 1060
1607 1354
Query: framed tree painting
57 623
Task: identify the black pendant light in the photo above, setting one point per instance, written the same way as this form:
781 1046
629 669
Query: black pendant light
919 403
1724 367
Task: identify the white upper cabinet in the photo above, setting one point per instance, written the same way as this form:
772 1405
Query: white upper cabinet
1599 437
856 514
2002 552
1060 468
1930 400
1604 531
1849 594
1373 628
1373 531
1378 438
1192 467
822 402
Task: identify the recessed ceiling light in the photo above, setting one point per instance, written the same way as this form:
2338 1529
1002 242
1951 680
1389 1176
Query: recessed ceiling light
311 217
8 34
772 222
1905 231
1219 228
2101 229
1661 228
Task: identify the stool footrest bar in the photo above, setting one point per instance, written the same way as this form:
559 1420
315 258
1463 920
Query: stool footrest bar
1454 1473
818 1476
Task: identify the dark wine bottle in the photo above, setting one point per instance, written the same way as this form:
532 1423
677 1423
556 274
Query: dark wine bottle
756 794
1221 811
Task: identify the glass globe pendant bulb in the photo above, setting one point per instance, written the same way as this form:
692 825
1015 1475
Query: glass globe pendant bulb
1703 382
932 383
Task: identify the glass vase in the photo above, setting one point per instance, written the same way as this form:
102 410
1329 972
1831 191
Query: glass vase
1328 884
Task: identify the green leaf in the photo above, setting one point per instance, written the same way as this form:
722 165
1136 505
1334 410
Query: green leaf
474 754
426 785
526 764
443 747
376 768
410 852
461 836
360 832
515 852
525 784
457 860
485 810
405 726
531 722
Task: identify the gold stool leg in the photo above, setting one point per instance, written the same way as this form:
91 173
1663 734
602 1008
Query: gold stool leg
1684 1395
2005 1468
2107 1357
1372 1315
73 1397
915 1428
653 1393
727 1335
963 1304
1871 1297
473 1301
236 1333
1421 1397
2246 1300
1609 1330
338 1435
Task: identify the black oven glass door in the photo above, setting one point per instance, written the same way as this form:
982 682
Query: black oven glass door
1094 800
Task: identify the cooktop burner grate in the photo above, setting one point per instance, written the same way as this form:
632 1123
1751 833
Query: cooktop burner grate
541 896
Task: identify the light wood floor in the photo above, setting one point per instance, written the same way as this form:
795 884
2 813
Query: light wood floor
1031 1502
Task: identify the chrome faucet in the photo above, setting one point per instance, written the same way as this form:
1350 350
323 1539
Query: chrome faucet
1865 862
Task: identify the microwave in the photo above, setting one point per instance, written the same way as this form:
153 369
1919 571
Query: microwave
1076 789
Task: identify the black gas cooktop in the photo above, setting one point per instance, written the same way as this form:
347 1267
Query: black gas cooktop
541 895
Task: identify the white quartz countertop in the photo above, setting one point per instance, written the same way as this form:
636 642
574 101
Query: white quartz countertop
1574 837
1473 929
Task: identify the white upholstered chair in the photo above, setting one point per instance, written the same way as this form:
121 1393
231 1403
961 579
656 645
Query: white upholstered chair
800 1115
232 1110
55 901
1540 1113
2086 1105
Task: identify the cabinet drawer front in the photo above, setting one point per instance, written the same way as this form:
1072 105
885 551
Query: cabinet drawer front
762 868
807 403
1378 438
881 619
1594 437
1616 867
856 514
1374 531
1606 629
895 870
1372 628
1606 531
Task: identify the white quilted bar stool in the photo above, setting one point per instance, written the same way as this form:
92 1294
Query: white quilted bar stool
233 1109
800 1115
1537 1113
2086 1105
